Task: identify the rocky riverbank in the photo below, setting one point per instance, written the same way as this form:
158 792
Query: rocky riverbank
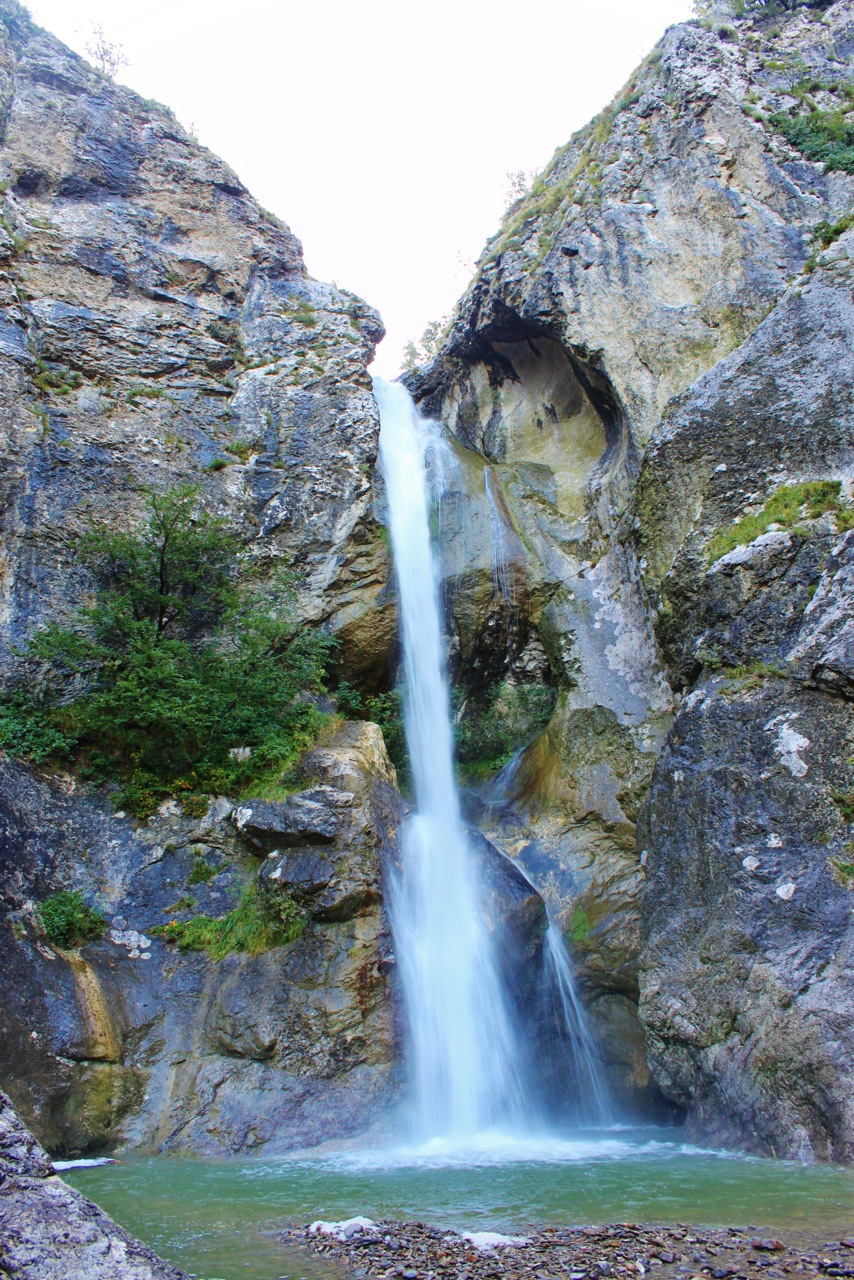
50 1232
415 1251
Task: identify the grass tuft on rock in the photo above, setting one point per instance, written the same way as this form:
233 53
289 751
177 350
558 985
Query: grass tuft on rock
68 921
785 508
252 927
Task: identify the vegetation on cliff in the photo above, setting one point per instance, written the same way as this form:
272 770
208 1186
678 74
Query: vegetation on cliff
254 926
784 510
178 679
68 921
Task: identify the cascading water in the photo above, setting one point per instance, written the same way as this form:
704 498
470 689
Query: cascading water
465 1059
464 1056
503 575
593 1104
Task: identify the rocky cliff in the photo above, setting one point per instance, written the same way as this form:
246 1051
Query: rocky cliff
159 328
657 345
50 1232
645 555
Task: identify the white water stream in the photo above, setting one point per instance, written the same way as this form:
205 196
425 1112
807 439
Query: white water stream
464 1056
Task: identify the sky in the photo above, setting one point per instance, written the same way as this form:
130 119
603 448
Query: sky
382 131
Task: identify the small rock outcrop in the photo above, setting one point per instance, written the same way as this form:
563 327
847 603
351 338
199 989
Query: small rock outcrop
49 1231
129 1039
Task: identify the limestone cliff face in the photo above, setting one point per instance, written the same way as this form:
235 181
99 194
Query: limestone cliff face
159 328
746 973
130 1040
50 1232
616 414
158 324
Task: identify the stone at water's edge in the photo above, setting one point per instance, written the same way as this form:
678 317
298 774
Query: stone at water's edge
50 1232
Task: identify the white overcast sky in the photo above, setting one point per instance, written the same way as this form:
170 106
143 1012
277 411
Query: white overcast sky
381 131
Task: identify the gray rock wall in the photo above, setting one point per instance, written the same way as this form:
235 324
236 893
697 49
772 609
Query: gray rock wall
50 1232
155 321
747 918
645 321
128 1039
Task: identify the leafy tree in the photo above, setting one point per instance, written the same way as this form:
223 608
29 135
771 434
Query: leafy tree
175 669
429 344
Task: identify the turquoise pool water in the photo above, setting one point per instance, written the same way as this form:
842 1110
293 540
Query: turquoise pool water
218 1218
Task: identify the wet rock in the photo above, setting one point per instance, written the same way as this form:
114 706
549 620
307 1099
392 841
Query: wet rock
49 1231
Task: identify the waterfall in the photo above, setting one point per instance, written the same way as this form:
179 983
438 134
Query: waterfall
464 1057
503 569
594 1107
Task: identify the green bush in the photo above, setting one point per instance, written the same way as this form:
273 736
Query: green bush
824 136
172 668
384 709
252 927
68 921
509 718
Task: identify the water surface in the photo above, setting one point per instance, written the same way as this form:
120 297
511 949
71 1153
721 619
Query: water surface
217 1218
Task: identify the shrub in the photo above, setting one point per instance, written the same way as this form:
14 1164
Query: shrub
823 136
509 718
68 921
384 709
171 668
194 806
252 927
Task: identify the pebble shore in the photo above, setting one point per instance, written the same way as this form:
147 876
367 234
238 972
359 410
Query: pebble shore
414 1251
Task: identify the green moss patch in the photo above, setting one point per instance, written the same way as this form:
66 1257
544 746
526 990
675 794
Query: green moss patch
579 928
785 508
252 927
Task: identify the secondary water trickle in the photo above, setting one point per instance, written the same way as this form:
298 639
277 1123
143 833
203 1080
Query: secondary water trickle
469 1071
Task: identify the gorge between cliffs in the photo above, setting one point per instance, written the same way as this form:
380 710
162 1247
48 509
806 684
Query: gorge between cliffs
427 807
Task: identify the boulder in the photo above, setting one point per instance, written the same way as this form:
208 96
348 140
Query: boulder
49 1231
